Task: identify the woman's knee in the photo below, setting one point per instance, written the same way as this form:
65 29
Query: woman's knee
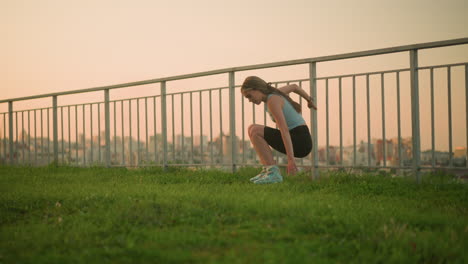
255 130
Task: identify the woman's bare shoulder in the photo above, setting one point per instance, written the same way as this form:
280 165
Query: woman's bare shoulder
275 100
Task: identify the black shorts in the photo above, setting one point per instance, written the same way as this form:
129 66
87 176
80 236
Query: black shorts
300 137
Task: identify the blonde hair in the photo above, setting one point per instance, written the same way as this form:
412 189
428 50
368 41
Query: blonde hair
256 83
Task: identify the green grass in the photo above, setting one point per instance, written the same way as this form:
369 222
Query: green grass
97 215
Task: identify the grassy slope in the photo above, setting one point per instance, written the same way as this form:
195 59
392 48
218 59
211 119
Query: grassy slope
146 216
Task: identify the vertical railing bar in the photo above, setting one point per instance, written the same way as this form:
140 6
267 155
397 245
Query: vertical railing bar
466 113
5 151
29 136
35 137
76 134
6 139
182 127
15 136
55 128
354 120
15 133
253 113
10 128
39 126
384 140
16 130
400 160
201 130
22 137
91 133
70 151
22 133
138 132
115 132
3 139
107 150
341 120
6 133
123 132
84 135
146 127
17 139
449 94
276 125
154 127
42 135
313 117
415 113
368 122
211 128
265 115
69 134
61 125
99 129
300 103
253 121
243 129
164 123
173 129
191 127
327 122
232 119
221 154
130 134
432 119
48 137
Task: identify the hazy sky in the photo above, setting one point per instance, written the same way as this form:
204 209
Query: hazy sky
58 45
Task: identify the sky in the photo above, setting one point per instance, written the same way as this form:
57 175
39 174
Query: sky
59 45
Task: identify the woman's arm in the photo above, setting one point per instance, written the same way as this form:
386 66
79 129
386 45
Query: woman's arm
294 88
275 106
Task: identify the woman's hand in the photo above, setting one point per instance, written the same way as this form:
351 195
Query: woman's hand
292 168
310 103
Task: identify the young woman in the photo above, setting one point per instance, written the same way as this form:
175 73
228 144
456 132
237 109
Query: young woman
293 136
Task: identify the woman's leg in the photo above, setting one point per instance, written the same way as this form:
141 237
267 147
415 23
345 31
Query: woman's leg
262 148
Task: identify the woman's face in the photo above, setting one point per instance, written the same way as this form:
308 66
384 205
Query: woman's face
254 96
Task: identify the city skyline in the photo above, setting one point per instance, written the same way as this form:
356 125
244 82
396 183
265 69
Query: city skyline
134 152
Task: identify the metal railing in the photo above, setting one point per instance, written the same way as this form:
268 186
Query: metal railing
164 149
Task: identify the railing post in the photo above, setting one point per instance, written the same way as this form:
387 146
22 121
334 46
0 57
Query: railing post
313 118
55 128
466 113
232 120
10 128
415 113
164 123
107 127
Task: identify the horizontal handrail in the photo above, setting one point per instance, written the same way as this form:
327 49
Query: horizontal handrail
351 55
443 66
276 82
361 74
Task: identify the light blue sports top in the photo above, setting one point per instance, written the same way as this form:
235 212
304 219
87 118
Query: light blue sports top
293 118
